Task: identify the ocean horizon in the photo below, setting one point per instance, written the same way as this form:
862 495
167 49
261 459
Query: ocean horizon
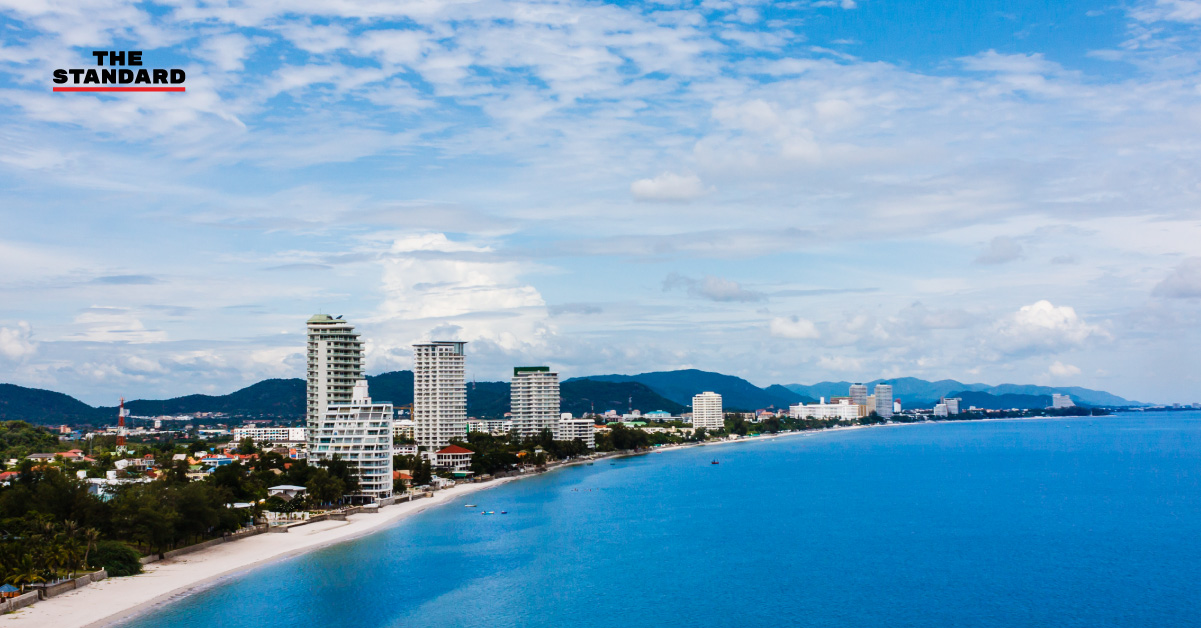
1089 521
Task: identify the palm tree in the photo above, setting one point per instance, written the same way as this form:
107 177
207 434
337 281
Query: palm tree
90 537
24 572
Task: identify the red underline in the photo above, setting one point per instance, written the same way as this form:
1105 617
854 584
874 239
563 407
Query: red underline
119 89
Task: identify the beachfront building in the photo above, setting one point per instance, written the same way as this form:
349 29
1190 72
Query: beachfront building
567 428
952 404
844 410
535 400
940 409
439 393
270 434
359 432
858 394
454 458
1061 401
335 363
706 411
883 395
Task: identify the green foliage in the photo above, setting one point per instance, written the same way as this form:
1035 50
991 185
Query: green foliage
116 558
19 439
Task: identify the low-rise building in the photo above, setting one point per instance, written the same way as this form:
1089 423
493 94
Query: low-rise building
567 429
454 458
270 434
844 411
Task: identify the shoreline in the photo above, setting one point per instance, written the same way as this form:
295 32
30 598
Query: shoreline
167 580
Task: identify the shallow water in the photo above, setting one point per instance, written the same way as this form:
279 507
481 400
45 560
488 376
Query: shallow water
1066 522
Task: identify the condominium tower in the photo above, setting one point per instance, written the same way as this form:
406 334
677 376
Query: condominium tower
439 394
859 395
535 400
706 411
883 395
359 432
335 361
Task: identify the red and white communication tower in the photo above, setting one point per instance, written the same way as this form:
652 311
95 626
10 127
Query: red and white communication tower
121 414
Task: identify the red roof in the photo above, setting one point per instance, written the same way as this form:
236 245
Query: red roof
454 449
397 475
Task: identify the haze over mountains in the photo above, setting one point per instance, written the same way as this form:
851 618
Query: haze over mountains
665 390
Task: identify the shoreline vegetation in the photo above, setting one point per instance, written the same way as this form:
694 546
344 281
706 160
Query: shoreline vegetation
170 579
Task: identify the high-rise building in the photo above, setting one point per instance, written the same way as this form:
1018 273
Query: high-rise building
940 409
535 400
1061 401
359 432
952 404
335 363
706 411
859 394
883 395
439 393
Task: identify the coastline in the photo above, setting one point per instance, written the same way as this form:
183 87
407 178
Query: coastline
166 580
117 599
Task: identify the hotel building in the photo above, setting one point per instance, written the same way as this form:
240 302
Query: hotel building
439 394
535 400
359 432
706 411
335 363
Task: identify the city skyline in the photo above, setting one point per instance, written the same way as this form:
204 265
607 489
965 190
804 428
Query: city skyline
786 194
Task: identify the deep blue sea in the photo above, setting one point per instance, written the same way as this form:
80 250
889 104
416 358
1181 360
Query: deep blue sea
1062 522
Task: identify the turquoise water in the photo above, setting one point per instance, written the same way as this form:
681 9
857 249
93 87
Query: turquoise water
1072 522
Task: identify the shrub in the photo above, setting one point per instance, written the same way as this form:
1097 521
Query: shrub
117 558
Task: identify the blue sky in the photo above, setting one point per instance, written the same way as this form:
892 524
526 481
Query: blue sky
788 192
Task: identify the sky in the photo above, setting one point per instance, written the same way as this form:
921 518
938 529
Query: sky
790 192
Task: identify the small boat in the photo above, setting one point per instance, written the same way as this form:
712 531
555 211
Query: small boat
492 512
715 462
504 512
483 513
469 505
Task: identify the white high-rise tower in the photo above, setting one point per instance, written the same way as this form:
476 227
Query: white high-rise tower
859 395
706 411
535 400
439 394
359 432
335 361
883 395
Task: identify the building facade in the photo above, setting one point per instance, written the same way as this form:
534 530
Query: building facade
1061 401
842 411
335 364
883 395
858 394
359 432
535 400
952 404
567 428
278 435
439 394
706 411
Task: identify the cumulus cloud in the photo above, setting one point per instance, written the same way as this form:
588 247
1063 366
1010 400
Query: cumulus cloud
1043 327
712 288
668 187
1059 369
793 327
1001 249
1183 283
17 342
839 363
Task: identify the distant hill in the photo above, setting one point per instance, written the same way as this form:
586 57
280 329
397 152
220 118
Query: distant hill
916 392
43 407
270 397
736 393
1004 401
581 396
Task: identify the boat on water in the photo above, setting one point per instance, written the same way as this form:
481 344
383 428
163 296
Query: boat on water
715 462
469 505
504 512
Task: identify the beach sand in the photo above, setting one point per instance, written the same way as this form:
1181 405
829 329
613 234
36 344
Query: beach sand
114 599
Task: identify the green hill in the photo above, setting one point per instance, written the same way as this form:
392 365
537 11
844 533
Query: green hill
736 393
582 396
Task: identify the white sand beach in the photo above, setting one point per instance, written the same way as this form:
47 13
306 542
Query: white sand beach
111 600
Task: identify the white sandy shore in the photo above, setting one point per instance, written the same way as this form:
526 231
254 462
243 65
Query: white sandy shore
111 600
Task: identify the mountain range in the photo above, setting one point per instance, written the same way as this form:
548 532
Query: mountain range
664 390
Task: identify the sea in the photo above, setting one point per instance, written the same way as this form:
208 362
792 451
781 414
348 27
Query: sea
1087 522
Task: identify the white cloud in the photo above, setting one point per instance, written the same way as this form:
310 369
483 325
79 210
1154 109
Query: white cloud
17 342
1183 283
840 363
1042 327
1059 369
113 324
793 327
668 187
1001 249
712 288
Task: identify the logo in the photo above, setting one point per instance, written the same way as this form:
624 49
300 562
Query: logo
119 71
